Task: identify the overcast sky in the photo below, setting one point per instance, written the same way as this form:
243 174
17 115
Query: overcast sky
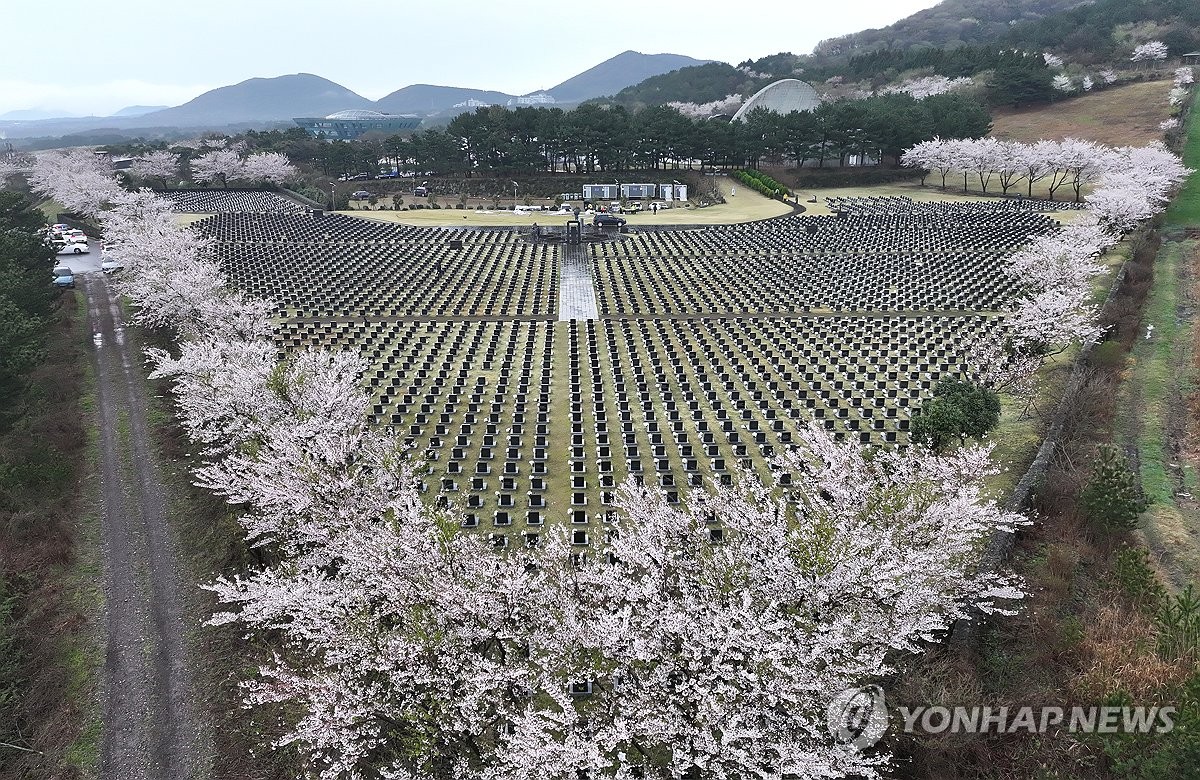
84 56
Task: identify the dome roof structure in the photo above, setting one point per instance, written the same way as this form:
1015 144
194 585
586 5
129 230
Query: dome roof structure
782 97
357 113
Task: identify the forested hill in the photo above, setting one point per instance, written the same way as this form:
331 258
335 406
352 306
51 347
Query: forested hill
698 84
954 38
949 23
1105 30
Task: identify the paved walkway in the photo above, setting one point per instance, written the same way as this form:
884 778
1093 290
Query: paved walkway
576 293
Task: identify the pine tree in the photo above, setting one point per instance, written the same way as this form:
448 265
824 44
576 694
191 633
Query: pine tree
1112 498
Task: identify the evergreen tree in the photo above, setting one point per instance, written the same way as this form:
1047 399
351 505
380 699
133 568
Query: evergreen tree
1112 499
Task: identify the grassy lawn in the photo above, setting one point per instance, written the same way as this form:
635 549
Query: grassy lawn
744 206
1154 415
1127 115
1160 391
1185 210
50 210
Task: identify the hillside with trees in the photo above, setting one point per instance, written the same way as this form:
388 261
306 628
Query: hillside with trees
950 24
1001 44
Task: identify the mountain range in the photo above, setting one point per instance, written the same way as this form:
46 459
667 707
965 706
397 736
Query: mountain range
264 101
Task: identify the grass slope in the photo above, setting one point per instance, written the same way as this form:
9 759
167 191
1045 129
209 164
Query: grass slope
1161 388
1127 115
1185 210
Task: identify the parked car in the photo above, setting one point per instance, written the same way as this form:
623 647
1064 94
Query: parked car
420 192
73 248
608 220
111 265
64 277
360 194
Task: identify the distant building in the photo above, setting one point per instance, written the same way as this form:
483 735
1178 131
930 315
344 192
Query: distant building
538 99
636 191
673 191
348 125
601 192
473 103
782 97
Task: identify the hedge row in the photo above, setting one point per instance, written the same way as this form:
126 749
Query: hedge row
761 182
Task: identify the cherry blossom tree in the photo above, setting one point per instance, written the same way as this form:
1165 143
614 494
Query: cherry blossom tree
1087 83
1055 318
726 105
1123 208
1052 60
1063 83
79 179
1083 162
219 165
664 653
932 155
1009 164
928 86
1151 51
161 165
1108 76
981 156
1064 259
270 167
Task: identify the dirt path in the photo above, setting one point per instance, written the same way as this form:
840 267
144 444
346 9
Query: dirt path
149 728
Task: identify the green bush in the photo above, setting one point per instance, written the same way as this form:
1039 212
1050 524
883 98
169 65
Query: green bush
1136 579
1112 499
1159 754
1178 623
1108 354
762 183
958 410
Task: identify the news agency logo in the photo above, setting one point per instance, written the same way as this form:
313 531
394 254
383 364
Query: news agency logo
860 717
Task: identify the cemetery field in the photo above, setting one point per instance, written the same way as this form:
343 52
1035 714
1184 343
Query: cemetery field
689 353
1127 115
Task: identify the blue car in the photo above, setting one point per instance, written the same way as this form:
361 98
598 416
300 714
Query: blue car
64 277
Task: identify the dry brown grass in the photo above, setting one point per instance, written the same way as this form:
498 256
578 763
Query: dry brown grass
1120 652
1122 116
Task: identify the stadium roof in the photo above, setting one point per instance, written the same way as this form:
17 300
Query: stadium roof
782 97
357 113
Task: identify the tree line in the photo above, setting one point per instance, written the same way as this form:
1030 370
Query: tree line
535 140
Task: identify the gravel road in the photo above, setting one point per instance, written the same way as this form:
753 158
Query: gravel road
151 729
